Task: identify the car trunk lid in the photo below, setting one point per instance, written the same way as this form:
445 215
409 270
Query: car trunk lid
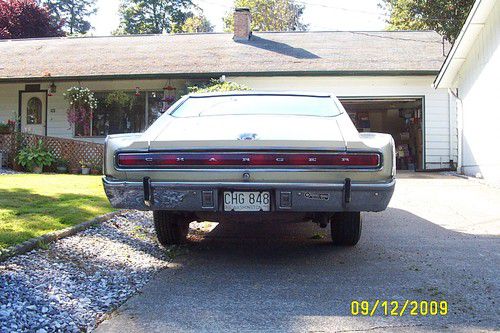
250 132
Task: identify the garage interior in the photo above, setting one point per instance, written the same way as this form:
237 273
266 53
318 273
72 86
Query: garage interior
400 117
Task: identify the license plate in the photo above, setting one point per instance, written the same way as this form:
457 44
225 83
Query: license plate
247 201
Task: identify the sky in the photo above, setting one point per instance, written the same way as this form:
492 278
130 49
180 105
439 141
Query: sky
319 14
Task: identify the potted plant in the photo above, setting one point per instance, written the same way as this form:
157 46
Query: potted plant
8 127
85 168
96 170
62 165
4 129
35 158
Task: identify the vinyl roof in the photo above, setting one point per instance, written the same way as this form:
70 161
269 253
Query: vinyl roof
192 55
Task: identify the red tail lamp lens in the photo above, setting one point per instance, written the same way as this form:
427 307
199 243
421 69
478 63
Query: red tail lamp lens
166 160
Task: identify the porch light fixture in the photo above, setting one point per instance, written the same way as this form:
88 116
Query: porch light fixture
137 91
52 89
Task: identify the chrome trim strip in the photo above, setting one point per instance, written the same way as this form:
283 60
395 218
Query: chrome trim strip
187 185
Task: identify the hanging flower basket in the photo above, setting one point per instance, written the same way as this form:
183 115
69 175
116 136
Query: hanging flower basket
82 103
169 88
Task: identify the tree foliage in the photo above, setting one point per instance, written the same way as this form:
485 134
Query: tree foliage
27 19
444 16
74 14
194 24
153 16
270 15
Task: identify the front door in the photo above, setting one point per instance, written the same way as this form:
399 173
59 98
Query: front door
33 112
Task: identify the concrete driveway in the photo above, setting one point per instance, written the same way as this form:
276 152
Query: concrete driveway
437 241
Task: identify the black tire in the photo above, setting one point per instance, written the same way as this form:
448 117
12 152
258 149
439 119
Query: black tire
170 229
346 228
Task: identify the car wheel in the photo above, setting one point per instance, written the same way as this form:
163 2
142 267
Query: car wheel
170 229
346 228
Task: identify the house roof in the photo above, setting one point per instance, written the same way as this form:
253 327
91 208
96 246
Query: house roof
465 40
195 55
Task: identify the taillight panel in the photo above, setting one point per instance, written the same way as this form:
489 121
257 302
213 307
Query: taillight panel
198 160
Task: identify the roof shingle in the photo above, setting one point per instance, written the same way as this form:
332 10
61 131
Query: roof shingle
198 54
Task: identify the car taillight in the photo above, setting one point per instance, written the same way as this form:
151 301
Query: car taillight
222 159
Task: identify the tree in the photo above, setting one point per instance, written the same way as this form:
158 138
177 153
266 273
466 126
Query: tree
27 19
194 24
270 15
153 16
74 14
444 16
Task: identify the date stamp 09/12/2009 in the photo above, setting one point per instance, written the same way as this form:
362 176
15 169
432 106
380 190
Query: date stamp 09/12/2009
421 308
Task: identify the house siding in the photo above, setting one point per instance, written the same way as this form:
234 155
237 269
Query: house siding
440 130
441 143
57 124
477 83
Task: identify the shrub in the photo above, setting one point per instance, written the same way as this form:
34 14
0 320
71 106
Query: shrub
217 85
37 156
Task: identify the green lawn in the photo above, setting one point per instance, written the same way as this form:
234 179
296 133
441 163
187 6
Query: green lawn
33 205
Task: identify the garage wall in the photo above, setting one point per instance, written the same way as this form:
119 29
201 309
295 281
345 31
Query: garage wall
477 83
440 124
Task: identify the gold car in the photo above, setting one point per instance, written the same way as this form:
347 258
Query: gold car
252 155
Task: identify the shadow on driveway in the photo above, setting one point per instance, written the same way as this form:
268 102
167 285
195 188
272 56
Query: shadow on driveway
275 277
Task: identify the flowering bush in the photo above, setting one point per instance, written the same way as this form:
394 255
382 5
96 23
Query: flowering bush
82 103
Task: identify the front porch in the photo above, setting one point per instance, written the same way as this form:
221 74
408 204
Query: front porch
39 111
123 106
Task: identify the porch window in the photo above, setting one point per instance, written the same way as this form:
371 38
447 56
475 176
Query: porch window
124 112
34 112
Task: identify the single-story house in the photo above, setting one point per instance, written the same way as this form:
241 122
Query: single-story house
384 79
471 73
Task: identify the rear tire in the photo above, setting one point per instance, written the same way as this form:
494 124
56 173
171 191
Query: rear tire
170 229
346 228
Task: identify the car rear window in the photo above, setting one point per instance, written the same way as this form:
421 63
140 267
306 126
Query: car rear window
202 106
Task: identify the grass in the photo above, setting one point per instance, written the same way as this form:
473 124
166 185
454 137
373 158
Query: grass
33 205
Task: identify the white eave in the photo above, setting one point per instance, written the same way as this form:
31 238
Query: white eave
465 40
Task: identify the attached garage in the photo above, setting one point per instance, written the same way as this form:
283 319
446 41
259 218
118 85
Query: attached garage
400 117
420 118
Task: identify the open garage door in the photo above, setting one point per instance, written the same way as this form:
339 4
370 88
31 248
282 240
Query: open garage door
400 117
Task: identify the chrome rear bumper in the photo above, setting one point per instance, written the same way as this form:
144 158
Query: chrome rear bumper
199 197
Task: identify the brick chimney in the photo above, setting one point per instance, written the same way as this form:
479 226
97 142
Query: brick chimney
242 22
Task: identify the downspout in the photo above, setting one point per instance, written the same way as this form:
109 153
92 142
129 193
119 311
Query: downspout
450 131
460 128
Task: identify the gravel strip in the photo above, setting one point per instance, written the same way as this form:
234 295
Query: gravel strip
72 284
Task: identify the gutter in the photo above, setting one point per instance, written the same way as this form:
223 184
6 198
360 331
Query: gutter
207 75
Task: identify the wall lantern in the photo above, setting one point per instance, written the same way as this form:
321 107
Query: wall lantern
137 91
52 89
